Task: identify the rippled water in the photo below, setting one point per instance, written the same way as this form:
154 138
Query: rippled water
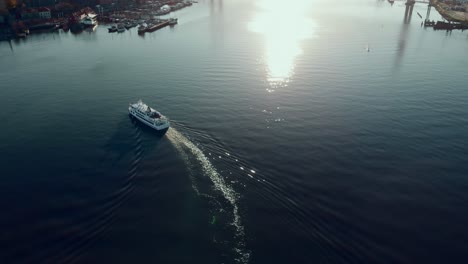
302 132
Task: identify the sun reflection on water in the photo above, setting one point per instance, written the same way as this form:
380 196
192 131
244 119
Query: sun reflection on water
284 25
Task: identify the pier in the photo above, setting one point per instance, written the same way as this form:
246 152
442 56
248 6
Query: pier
454 19
157 26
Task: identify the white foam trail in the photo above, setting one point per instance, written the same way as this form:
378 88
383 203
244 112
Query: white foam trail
181 142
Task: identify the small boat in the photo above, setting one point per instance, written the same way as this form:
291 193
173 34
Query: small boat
120 28
128 25
141 29
112 29
148 116
173 21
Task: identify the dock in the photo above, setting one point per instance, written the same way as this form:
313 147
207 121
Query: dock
155 27
441 25
428 23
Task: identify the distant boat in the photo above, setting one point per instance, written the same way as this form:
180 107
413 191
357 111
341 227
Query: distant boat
173 21
112 29
141 30
90 20
120 28
148 116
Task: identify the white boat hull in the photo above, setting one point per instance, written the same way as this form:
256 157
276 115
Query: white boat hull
157 126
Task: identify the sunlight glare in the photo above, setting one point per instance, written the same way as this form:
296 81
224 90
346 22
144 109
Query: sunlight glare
284 26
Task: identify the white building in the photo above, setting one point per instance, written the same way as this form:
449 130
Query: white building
44 13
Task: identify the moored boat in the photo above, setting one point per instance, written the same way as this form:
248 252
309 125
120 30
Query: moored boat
154 27
120 28
141 29
148 116
173 21
112 29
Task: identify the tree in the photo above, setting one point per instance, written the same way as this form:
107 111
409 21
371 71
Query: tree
10 4
64 7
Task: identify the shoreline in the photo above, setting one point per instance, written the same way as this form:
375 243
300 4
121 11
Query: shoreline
448 14
76 21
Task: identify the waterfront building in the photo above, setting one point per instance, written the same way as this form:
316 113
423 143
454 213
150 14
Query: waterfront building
44 13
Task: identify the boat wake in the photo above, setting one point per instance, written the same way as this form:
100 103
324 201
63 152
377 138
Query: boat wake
194 157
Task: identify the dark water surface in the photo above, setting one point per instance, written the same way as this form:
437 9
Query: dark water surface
290 142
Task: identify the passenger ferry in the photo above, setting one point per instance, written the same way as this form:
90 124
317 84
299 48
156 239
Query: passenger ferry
89 20
148 116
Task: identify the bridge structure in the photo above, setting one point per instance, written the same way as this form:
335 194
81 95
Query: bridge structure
416 1
410 6
409 10
429 6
